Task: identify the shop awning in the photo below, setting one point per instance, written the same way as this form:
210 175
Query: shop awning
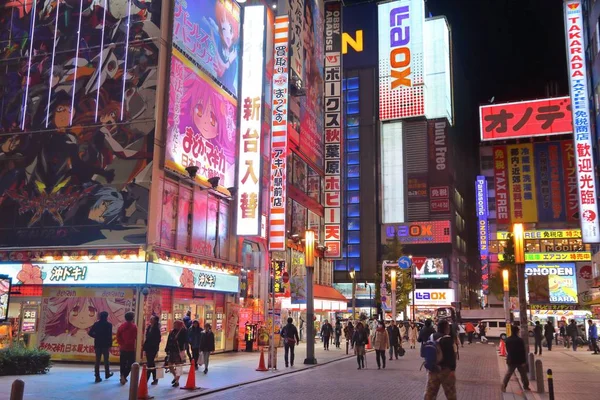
328 293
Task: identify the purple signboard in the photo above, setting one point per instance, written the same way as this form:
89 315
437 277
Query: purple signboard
483 229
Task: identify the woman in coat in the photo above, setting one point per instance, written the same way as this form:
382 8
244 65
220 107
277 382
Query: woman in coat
381 342
359 341
413 333
175 349
151 344
207 345
194 335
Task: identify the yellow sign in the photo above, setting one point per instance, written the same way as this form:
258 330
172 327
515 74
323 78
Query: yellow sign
356 44
545 234
555 257
521 183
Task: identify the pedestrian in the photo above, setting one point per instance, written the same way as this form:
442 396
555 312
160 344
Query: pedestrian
359 340
207 345
338 333
126 337
537 337
381 342
482 331
461 334
403 333
348 333
194 335
187 320
326 331
593 335
425 333
150 347
573 333
470 329
101 331
549 334
413 333
445 376
301 327
289 333
563 333
176 344
516 358
394 338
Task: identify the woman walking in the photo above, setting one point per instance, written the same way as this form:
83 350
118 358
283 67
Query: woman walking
348 333
359 340
176 344
194 335
381 342
413 333
151 344
207 345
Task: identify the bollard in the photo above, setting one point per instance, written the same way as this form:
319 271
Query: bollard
134 379
17 389
550 384
539 376
531 365
347 345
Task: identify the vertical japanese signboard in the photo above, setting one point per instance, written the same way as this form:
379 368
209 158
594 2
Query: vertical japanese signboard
279 140
586 181
570 184
522 183
296 15
439 177
249 167
483 229
501 185
333 129
278 270
401 82
549 182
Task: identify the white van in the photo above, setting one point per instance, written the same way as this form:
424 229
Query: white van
497 328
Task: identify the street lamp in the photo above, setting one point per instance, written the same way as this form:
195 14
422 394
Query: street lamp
353 276
412 275
506 300
309 259
393 274
520 265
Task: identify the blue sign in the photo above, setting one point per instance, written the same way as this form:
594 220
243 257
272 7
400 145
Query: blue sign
404 262
483 229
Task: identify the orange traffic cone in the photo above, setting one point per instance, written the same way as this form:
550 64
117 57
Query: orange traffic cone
190 384
502 349
143 386
261 363
368 343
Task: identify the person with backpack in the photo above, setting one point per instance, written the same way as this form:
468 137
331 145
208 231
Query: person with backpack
440 362
425 333
290 337
381 342
537 337
326 331
470 329
516 358
338 333
359 341
394 337
101 331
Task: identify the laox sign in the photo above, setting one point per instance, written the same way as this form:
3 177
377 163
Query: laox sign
400 52
431 296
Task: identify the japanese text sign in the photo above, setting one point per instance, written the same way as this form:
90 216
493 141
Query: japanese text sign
555 257
279 139
401 76
500 160
544 234
521 178
526 119
29 320
420 232
249 159
588 199
481 204
570 181
549 182
191 278
296 16
333 130
278 270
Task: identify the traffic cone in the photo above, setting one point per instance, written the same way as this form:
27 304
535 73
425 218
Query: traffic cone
261 363
502 349
190 384
369 344
143 386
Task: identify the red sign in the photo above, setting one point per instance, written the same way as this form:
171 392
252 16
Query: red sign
526 118
501 185
418 262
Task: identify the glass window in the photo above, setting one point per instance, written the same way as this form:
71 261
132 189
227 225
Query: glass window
493 324
353 224
502 324
352 132
353 159
353 237
352 121
487 162
352 108
339 265
353 210
353 171
353 184
354 250
353 145
353 197
354 263
352 96
352 83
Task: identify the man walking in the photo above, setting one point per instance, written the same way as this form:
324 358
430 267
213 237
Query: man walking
549 334
394 335
289 333
338 333
126 337
326 331
593 335
470 329
515 358
573 333
537 336
445 375
101 331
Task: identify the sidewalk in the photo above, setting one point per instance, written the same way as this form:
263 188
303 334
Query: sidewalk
75 381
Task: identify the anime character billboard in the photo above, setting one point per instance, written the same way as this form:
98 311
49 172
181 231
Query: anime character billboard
76 120
208 32
201 125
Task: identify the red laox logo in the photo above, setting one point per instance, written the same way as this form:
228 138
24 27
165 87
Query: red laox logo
573 6
589 215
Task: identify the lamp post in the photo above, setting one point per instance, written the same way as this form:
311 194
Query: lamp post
412 275
520 264
506 300
393 274
353 276
370 299
309 259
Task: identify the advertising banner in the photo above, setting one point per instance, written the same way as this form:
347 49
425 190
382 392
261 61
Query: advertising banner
481 204
392 172
278 270
521 182
525 119
417 187
208 33
433 297
420 232
5 285
201 127
68 313
501 166
587 294
29 319
549 182
545 234
570 181
438 166
298 278
296 16
432 268
401 76
279 139
333 130
551 283
569 256
586 177
359 37
251 117
191 278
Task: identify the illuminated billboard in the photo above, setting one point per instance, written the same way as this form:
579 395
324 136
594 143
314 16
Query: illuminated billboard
525 119
420 232
430 268
438 70
5 284
578 84
481 205
392 173
521 183
401 66
567 256
545 234
552 283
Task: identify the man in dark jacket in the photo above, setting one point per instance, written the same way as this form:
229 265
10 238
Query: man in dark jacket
516 358
573 333
187 320
207 345
290 337
326 331
446 376
537 336
394 335
101 331
425 333
549 334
